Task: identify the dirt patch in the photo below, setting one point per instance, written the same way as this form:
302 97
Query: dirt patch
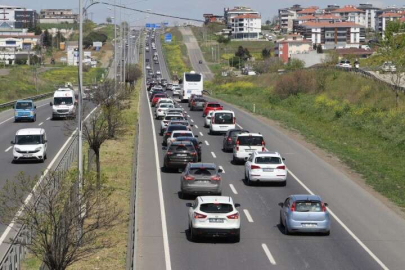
4 72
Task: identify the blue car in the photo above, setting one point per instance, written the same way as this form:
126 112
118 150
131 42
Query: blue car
25 110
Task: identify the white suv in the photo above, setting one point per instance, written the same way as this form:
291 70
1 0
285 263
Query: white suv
213 216
246 144
265 167
30 144
180 133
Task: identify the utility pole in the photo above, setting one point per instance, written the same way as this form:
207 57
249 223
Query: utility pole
115 47
79 122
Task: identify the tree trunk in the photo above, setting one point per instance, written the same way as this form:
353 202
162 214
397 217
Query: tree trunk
97 153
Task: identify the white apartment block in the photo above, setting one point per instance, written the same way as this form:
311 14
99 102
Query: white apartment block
351 14
245 23
370 15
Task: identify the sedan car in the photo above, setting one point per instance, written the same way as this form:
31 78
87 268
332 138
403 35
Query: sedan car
229 140
178 155
214 216
200 178
197 144
265 167
304 213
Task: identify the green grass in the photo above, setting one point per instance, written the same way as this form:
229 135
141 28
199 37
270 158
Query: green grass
30 262
352 117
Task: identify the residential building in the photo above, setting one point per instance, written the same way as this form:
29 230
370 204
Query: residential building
291 45
351 14
58 16
211 18
334 35
244 22
330 18
370 15
286 17
17 17
307 11
384 18
229 14
25 42
330 8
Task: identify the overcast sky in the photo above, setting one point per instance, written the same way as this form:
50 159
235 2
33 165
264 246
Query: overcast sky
184 8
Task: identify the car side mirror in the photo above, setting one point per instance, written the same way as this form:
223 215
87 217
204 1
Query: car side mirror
45 141
35 107
50 104
196 136
12 142
199 142
283 158
237 204
191 125
220 170
326 204
164 148
281 204
189 204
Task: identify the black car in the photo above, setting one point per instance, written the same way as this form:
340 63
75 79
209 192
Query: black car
196 143
230 138
169 130
178 155
197 104
147 60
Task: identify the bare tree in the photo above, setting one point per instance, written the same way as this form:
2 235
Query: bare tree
65 223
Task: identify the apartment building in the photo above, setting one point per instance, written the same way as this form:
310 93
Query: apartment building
390 15
58 16
370 15
245 23
292 44
17 17
286 17
350 13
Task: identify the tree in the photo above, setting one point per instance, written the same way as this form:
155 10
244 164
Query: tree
223 39
265 53
109 20
47 41
295 64
319 48
268 22
133 73
65 222
243 53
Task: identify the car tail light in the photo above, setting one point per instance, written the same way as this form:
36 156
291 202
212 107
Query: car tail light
188 178
212 120
237 145
281 167
159 110
292 207
193 153
169 153
215 178
254 167
229 139
234 216
234 120
323 207
193 103
165 122
168 134
263 146
199 216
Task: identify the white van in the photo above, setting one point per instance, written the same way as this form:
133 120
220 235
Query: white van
30 144
222 121
246 144
64 103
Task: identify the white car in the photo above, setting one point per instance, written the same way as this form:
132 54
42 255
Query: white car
180 133
147 67
161 109
176 90
265 167
344 64
165 100
166 119
158 72
207 120
177 111
246 144
30 144
222 121
214 216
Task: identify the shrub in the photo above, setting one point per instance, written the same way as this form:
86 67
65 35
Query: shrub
294 83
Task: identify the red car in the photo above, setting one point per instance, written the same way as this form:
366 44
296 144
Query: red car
156 98
212 106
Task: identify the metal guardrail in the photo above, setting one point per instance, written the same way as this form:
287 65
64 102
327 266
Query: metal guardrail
11 103
16 252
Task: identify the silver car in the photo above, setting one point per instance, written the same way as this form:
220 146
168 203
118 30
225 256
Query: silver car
304 213
200 178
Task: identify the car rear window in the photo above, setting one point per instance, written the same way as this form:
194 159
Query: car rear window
237 132
250 140
181 134
166 105
202 171
214 105
182 147
308 206
220 208
23 105
268 160
224 118
199 100
174 117
160 95
173 128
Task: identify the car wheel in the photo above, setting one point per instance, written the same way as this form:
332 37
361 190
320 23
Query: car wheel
42 160
203 115
281 222
182 195
35 119
236 238
286 230
248 181
193 236
326 233
284 183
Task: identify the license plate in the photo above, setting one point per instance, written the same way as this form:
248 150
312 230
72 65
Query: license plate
223 126
308 225
181 155
188 91
249 150
216 220
268 170
27 156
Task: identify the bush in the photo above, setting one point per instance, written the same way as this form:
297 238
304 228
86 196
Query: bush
295 64
94 37
295 83
223 39
271 64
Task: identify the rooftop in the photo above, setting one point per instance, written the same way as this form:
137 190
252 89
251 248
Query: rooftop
347 9
392 15
328 24
308 10
247 16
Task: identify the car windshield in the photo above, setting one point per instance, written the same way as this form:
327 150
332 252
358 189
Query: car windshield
202 171
250 140
268 160
181 134
220 208
223 118
28 139
308 206
199 100
63 101
214 105
23 105
173 128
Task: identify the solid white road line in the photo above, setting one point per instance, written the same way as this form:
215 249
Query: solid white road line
195 126
268 254
40 124
383 266
213 154
248 216
207 143
6 120
8 149
160 191
222 168
233 189
239 126
201 134
192 120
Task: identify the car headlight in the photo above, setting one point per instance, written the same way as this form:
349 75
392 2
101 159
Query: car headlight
31 113
38 148
17 149
15 113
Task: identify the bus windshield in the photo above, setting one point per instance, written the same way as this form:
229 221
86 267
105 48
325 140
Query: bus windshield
193 77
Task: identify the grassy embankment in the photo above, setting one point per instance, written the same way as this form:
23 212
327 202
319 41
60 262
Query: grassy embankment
176 53
347 115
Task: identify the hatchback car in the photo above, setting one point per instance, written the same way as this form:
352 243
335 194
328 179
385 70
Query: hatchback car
265 167
168 133
192 97
178 155
166 120
211 106
161 109
197 104
230 138
304 213
194 140
214 216
30 144
200 178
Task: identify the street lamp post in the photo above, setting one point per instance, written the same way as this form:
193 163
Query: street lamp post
79 124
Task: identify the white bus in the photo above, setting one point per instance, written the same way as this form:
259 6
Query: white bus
192 85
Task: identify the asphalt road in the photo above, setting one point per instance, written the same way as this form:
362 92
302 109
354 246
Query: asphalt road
365 233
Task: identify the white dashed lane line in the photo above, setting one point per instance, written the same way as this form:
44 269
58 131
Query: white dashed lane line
213 154
268 254
233 189
248 216
40 124
239 126
8 149
195 126
192 120
48 118
201 134
222 168
207 143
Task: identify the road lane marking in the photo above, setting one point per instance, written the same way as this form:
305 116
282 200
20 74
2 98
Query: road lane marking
48 118
6 120
201 134
40 124
248 216
372 255
233 189
268 254
222 168
239 126
213 154
8 149
195 126
192 120
207 143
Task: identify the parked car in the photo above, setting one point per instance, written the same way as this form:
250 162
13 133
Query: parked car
344 64
30 144
265 167
196 143
214 216
304 213
178 155
201 179
230 138
197 104
388 67
246 144
211 106
25 110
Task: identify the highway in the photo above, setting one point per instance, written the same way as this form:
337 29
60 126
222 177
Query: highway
365 233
